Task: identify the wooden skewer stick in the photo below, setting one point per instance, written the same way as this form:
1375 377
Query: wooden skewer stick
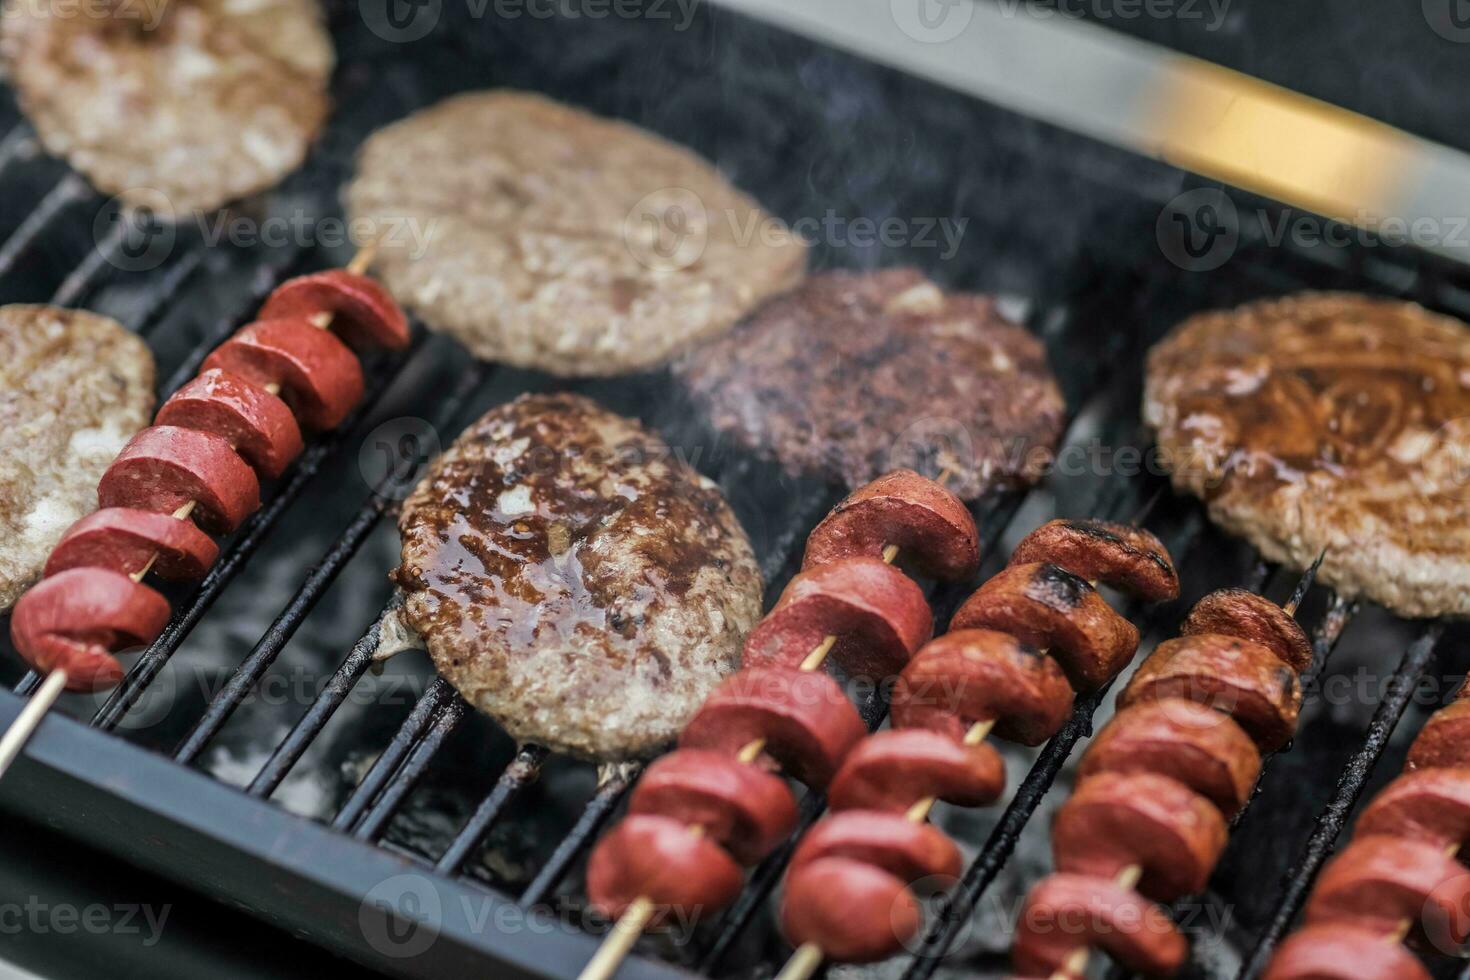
26 723
639 913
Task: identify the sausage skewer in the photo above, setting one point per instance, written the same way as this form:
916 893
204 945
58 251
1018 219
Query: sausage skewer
1047 561
639 914
57 678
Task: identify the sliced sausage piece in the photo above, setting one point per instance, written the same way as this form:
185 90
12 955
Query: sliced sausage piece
1125 557
806 720
1188 742
893 770
1114 820
855 912
362 310
125 539
1430 805
78 618
878 614
1066 912
258 424
931 527
318 375
1243 614
1049 607
1444 741
164 467
970 675
918 854
1342 952
744 809
1378 882
685 874
1241 678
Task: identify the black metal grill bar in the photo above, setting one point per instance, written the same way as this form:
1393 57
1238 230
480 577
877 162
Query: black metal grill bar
17 140
594 814
520 773
80 280
1350 785
68 190
253 535
270 645
398 748
174 279
403 780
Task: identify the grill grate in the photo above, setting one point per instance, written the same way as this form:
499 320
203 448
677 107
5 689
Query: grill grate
411 750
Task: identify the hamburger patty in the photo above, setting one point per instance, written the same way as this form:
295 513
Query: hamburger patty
1328 420
575 581
74 388
185 104
545 237
855 374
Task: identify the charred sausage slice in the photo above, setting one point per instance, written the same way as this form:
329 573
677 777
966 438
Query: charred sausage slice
893 770
1430 805
855 912
744 809
1342 952
125 539
918 854
684 874
164 467
1444 741
1065 912
1125 557
75 620
258 424
319 376
1243 614
362 311
1378 882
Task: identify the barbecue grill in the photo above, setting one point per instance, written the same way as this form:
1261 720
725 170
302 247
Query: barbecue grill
255 753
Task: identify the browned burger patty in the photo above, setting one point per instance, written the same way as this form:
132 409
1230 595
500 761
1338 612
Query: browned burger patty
575 581
1328 420
74 388
853 374
181 104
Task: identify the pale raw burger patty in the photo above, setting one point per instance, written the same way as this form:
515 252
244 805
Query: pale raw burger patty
855 374
574 580
182 104
545 237
74 388
1328 420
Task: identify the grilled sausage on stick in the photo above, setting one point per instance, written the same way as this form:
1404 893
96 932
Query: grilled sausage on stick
849 889
195 470
1159 783
848 603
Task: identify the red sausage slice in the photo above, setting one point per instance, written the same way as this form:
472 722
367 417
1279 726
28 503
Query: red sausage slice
878 614
362 310
1444 740
1430 805
1377 882
1342 952
1050 608
77 618
1125 557
684 874
855 912
1066 912
1119 819
1243 679
318 375
970 675
915 853
258 424
893 770
1188 742
1243 614
742 808
807 722
165 467
932 528
125 539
